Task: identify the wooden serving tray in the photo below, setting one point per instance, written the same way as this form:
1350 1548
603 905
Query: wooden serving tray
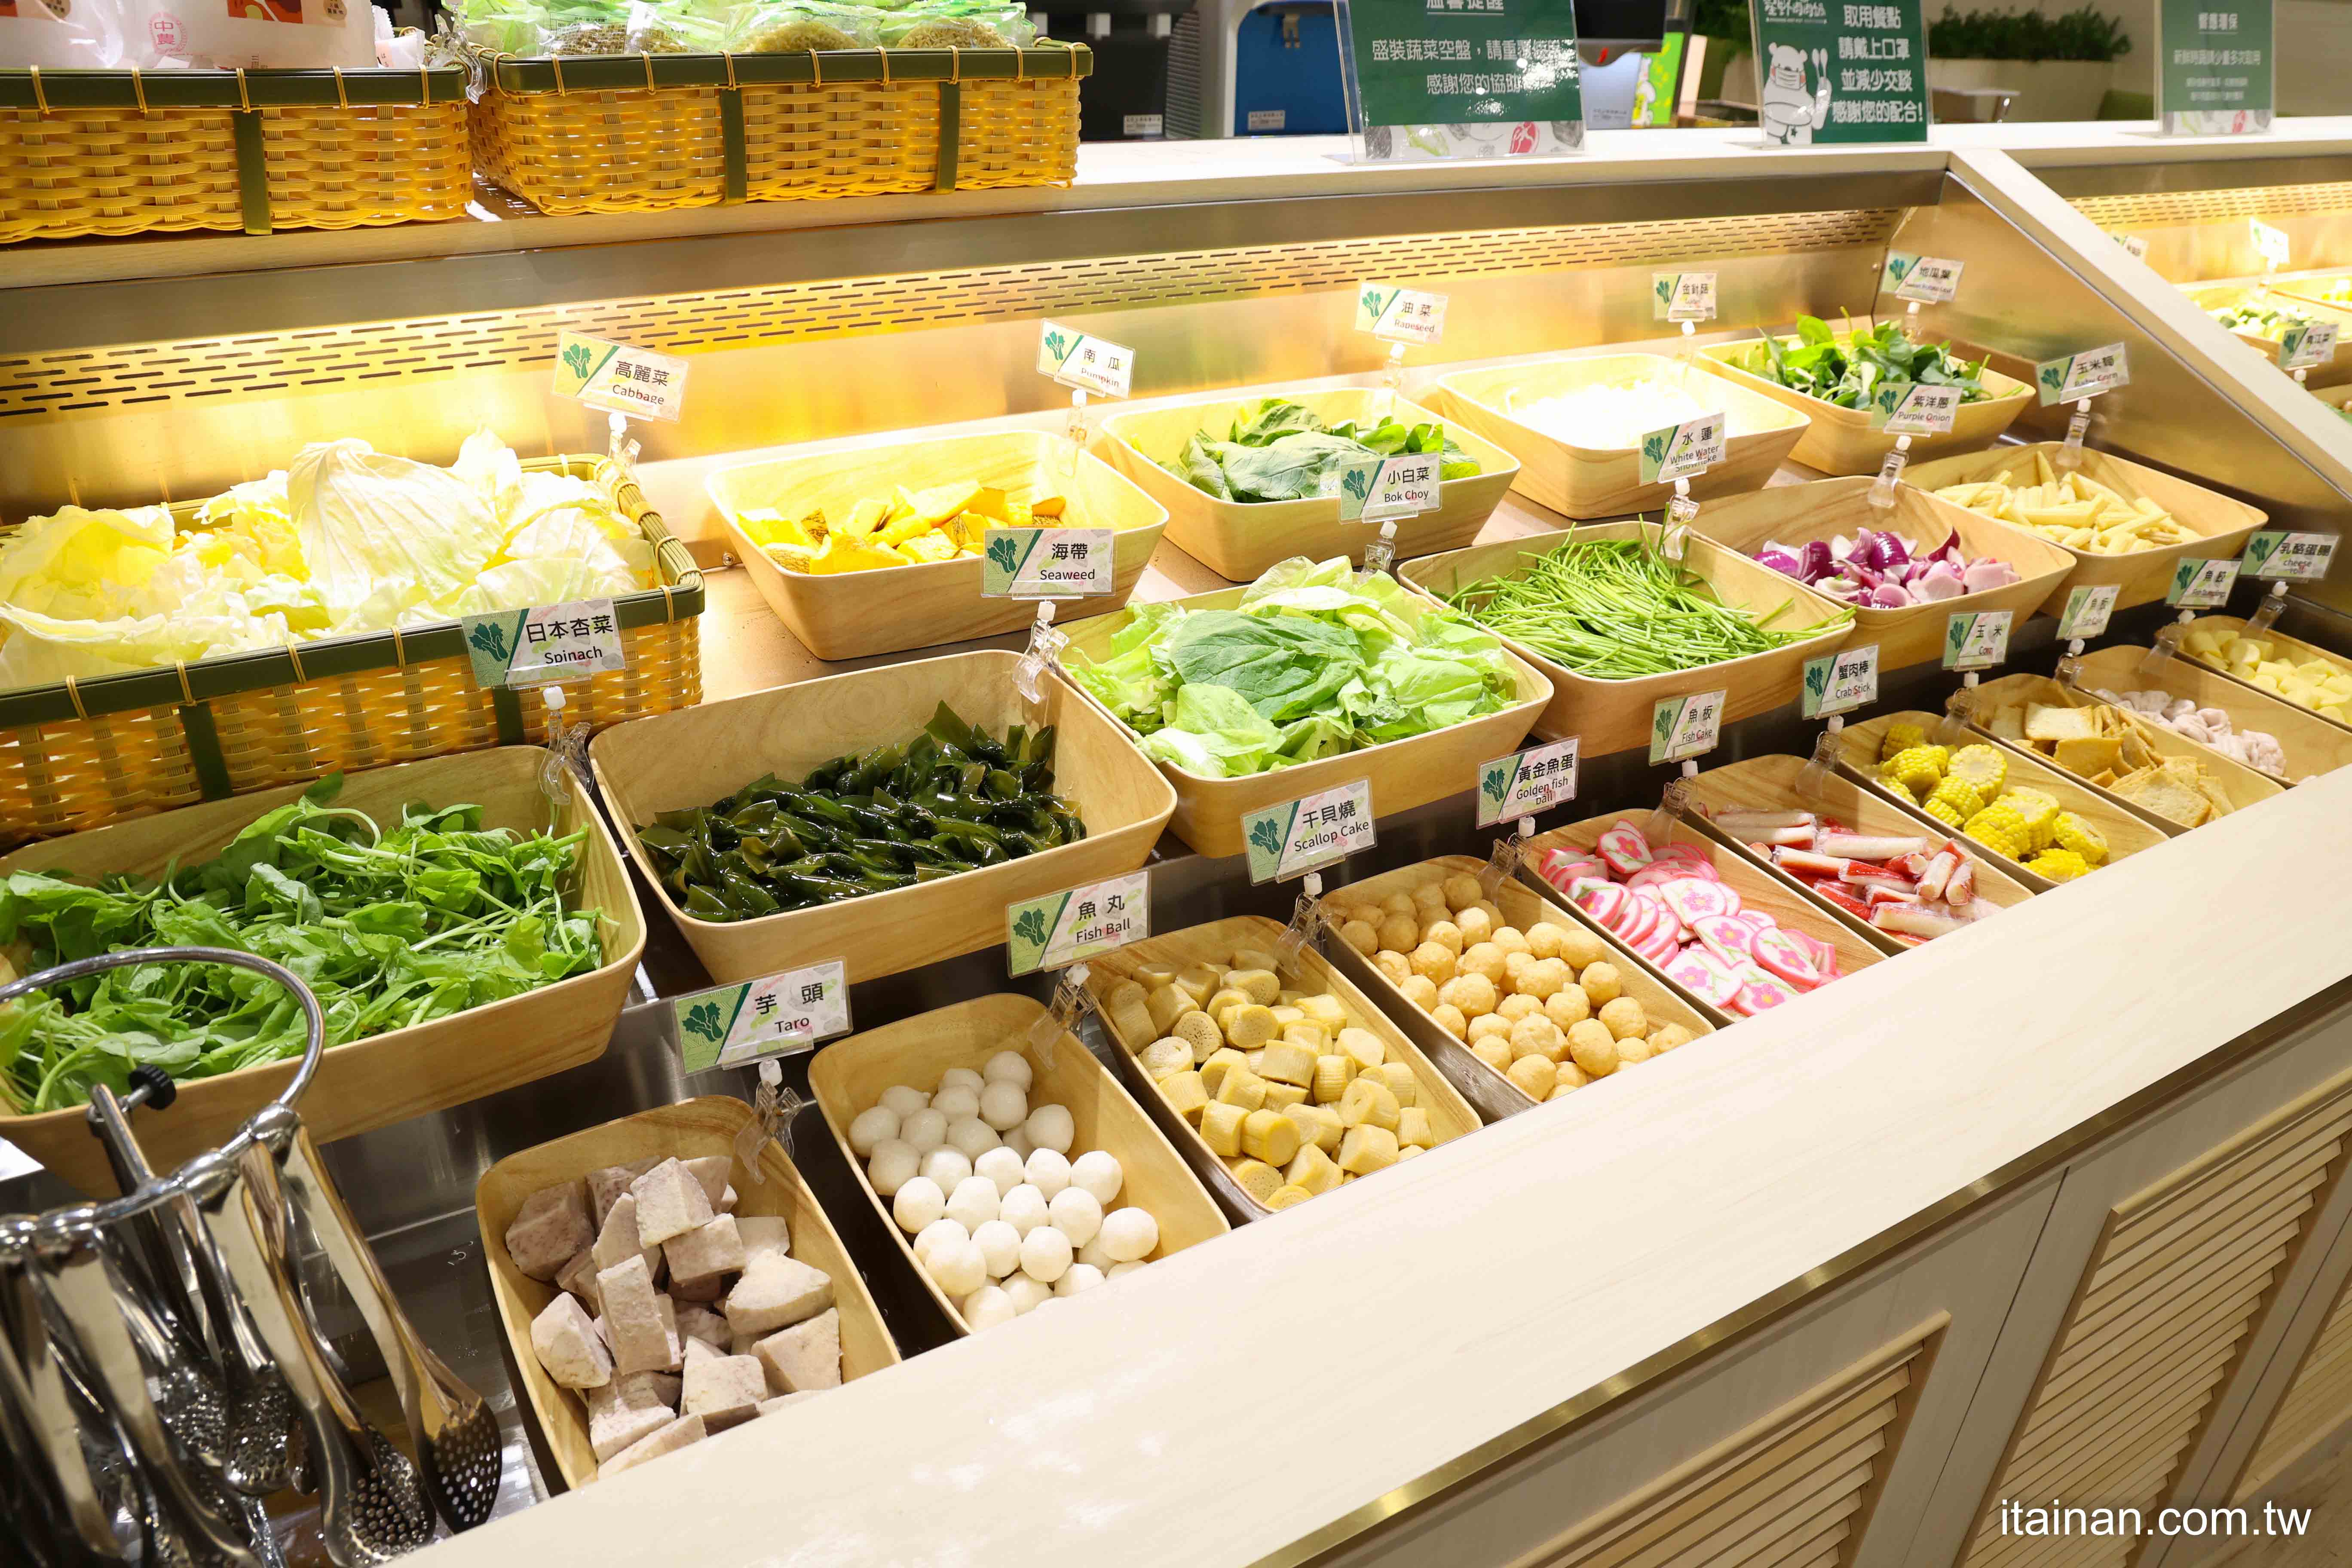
1450 1115
1796 514
2235 625
386 1078
2221 523
1593 482
2241 784
695 756
1239 540
1844 441
1614 715
1756 890
2313 745
1524 906
1777 784
2212 296
849 1076
2125 831
853 615
1404 774
692 1130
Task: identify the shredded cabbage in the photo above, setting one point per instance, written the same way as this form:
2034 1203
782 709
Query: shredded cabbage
348 540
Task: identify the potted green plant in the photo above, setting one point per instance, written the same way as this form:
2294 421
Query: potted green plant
2059 67
1723 25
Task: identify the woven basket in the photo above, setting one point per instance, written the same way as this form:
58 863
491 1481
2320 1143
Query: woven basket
117 152
609 133
83 754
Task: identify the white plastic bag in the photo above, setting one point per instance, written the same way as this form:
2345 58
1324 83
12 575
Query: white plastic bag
55 34
225 34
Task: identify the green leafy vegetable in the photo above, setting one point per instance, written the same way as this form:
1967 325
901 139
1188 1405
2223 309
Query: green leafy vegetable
951 800
1618 610
1317 660
1847 373
1279 451
390 929
2262 320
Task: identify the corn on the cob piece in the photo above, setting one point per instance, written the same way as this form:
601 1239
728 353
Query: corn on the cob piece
2059 865
2071 832
1942 811
1959 795
1980 766
1900 737
1916 768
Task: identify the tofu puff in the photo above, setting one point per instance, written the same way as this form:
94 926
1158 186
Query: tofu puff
676 1318
1286 1086
1544 1007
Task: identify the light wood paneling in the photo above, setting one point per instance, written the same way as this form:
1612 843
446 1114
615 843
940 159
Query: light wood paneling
2317 1403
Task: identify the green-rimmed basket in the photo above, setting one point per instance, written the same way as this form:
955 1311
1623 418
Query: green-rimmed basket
126 152
81 755
611 133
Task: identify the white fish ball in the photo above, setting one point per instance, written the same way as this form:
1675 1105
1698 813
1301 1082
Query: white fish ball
1010 1067
956 1103
946 1167
1018 1141
918 1204
1003 1105
1049 1127
1002 1166
894 1164
986 1306
904 1100
973 1202
1092 1255
1121 1270
1045 1254
958 1267
1001 1245
1078 1277
971 1138
1047 1171
926 1130
958 1078
947 1232
870 1128
1028 1294
1129 1234
1024 1208
1074 1212
1097 1171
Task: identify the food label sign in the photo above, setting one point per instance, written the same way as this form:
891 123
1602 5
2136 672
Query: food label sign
1046 563
2307 343
1084 362
619 378
2085 375
2134 246
1683 296
1464 79
2214 68
1071 927
2201 584
1684 727
2087 611
1917 410
1930 280
728 1024
2292 557
1976 639
1840 70
1397 315
545 644
1308 834
1527 782
1679 451
1374 489
1840 682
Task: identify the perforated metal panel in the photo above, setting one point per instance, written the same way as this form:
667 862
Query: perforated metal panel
1793 1490
2159 208
2172 1291
355 357
2315 1405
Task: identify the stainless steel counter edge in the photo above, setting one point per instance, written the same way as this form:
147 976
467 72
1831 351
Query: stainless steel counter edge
1512 1274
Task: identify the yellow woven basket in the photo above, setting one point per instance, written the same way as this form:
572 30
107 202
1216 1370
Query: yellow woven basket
83 754
117 152
643 133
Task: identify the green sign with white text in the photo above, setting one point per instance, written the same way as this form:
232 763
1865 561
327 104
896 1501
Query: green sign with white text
1464 79
1840 70
2215 67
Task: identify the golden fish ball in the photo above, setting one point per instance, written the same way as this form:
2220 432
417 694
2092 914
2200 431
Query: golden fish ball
1365 939
1625 1018
1570 1076
1602 984
1474 993
1633 1048
1593 1047
1433 961
1392 965
1510 938
1397 904
1419 989
1535 1035
1482 958
1445 934
1400 933
1474 925
1494 1050
1487 1024
1581 947
1568 1006
1531 1076
1668 1037
1450 1019
1462 891
1516 1007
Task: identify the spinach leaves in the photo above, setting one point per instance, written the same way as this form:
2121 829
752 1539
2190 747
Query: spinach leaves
1847 373
1279 451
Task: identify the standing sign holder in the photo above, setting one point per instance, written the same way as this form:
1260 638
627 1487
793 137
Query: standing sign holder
1840 71
1491 78
2216 67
